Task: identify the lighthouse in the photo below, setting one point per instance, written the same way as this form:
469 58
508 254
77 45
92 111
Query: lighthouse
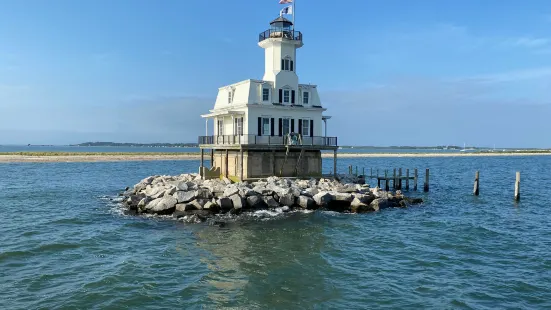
269 127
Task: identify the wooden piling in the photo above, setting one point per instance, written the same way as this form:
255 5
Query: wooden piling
476 183
363 171
387 185
394 179
517 187
371 172
426 188
400 178
202 164
378 183
407 179
356 171
212 158
415 177
334 163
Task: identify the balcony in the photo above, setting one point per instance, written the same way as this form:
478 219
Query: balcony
254 141
279 33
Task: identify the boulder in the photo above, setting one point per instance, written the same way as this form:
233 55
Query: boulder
165 205
203 193
245 191
322 199
230 190
182 186
414 201
345 197
188 206
184 197
287 200
225 203
310 192
226 181
211 206
263 190
255 202
382 203
357 206
306 202
238 202
365 198
270 201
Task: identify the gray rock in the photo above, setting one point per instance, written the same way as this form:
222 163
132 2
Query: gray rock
203 193
310 192
238 202
357 206
170 191
165 205
270 201
287 200
365 198
306 202
211 206
187 206
182 186
263 190
285 209
225 203
246 192
255 202
322 199
230 190
184 197
382 203
226 181
346 197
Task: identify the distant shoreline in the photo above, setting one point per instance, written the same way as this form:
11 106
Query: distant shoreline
56 157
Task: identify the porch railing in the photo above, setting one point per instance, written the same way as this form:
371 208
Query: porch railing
264 140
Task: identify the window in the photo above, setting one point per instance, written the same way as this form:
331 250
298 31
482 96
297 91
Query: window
265 94
287 64
305 127
239 126
266 126
305 97
220 127
230 95
286 128
286 96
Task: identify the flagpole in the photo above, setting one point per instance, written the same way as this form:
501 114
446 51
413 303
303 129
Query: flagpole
294 1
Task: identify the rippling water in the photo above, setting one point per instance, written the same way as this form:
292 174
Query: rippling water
64 244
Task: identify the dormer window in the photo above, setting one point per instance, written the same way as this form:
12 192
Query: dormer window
265 94
286 96
287 64
230 95
305 97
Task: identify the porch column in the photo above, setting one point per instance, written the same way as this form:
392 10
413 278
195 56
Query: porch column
241 164
226 163
325 122
206 127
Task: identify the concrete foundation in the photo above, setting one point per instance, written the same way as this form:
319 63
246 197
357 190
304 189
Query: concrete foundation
252 164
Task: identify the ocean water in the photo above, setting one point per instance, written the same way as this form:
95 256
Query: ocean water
141 149
64 244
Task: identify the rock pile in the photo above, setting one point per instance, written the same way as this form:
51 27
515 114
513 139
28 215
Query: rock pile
188 197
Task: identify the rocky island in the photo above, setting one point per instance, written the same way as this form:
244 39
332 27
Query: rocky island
189 198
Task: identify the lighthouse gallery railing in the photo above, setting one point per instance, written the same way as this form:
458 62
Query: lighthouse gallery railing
264 140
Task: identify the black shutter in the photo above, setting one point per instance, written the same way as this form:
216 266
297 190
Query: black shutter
272 125
311 128
282 64
292 125
280 127
293 97
260 126
292 66
300 126
280 95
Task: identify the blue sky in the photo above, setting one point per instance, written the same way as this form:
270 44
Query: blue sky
446 72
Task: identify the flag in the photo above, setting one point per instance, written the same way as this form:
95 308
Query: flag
285 1
286 10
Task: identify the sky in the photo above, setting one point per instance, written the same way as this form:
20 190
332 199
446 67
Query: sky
389 72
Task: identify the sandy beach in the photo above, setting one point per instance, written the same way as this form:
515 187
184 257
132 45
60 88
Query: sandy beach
106 157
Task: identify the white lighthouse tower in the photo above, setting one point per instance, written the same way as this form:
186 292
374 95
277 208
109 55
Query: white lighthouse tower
273 126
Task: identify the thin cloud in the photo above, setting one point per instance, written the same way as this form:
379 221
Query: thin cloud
512 76
530 42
